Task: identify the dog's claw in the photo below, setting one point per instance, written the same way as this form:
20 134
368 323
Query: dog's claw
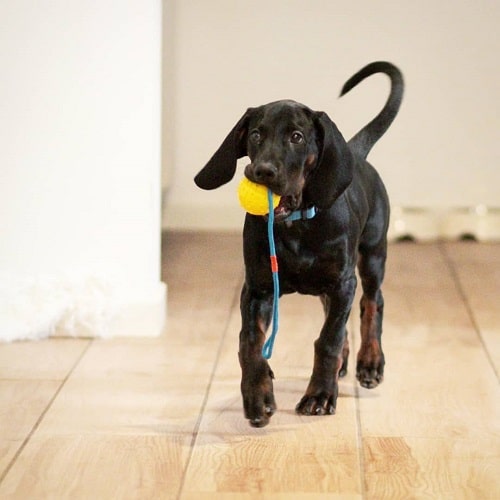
259 422
263 420
369 380
322 404
259 414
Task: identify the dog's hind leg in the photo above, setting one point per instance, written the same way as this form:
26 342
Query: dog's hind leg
370 360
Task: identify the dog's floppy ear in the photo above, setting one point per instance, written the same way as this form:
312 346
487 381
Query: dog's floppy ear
334 168
221 167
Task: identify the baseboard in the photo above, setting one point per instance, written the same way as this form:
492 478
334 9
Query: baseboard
416 223
79 305
479 223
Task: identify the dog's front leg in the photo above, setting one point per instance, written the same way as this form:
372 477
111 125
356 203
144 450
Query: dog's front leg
321 394
256 375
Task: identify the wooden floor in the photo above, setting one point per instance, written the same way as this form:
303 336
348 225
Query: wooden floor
161 418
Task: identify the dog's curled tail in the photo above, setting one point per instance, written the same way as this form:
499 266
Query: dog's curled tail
365 139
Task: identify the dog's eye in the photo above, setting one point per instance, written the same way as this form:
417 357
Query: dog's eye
255 136
296 137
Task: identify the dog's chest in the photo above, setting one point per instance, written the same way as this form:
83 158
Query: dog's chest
311 266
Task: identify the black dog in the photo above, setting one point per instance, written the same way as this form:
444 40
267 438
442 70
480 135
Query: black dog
301 155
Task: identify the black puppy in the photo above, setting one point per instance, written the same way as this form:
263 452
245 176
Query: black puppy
301 155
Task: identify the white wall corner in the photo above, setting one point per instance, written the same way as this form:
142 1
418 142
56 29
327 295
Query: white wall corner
80 133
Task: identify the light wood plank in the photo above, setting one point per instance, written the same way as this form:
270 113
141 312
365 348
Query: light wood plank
478 270
132 386
96 466
431 430
49 359
124 411
31 373
22 402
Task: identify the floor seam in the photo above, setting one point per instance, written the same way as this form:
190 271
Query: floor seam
470 313
357 408
39 420
197 426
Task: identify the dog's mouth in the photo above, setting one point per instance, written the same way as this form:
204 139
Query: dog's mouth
286 206
288 202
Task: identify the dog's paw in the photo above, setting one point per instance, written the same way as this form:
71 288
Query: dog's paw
322 403
370 365
370 374
258 397
369 378
259 408
263 417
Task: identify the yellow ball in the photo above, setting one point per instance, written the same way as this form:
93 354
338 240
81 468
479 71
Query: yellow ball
253 197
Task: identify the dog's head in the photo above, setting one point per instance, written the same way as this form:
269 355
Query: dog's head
296 152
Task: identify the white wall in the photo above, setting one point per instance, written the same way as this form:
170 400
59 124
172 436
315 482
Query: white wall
80 101
228 55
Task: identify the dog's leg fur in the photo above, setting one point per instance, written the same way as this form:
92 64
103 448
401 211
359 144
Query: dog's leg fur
345 349
329 350
370 362
345 356
257 376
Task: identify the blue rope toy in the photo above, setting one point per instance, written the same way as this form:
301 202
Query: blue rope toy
267 350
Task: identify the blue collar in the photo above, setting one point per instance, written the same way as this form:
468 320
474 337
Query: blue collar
304 214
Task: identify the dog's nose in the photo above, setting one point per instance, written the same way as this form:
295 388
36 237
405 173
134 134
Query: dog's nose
265 172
